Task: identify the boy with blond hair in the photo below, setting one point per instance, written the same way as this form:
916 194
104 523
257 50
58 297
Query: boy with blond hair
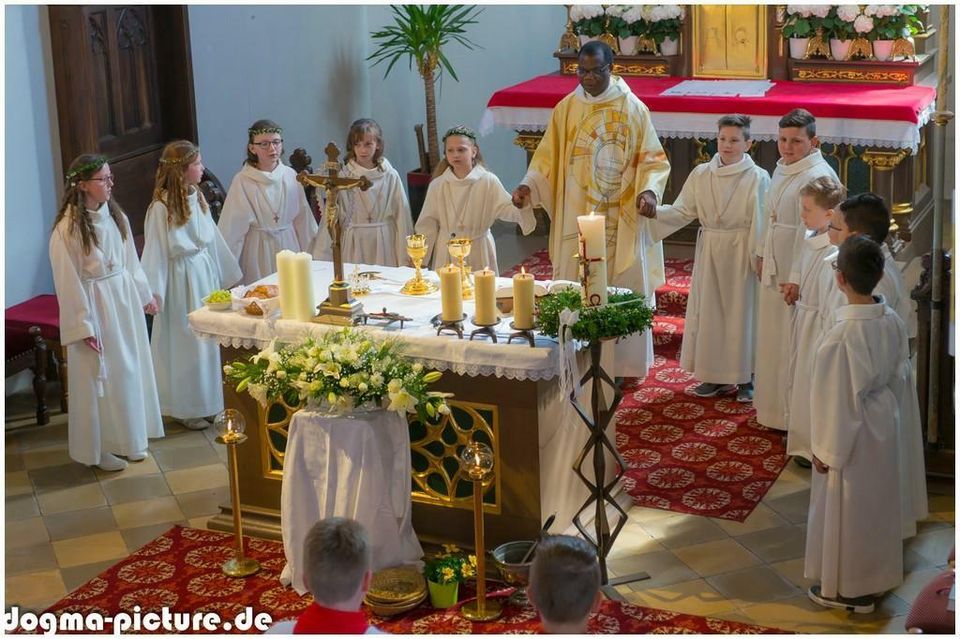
854 547
778 260
565 584
337 559
726 195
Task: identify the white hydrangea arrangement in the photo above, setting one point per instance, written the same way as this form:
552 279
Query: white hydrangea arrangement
657 21
588 19
892 21
338 372
846 21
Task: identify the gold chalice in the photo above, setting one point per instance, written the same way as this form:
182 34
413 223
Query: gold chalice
417 250
459 248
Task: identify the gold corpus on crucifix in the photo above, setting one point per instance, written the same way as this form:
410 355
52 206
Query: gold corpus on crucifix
340 307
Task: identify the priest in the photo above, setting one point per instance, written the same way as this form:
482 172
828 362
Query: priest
601 153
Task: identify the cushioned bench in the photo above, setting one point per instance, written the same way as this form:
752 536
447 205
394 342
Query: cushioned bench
32 337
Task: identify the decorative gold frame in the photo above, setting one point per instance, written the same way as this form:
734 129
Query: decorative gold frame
700 17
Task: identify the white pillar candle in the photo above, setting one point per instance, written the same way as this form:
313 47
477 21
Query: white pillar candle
484 287
451 293
285 275
593 248
523 299
303 285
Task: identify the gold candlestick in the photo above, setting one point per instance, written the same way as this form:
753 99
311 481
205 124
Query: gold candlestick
231 424
477 459
417 250
459 248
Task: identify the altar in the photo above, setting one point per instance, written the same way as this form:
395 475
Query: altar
506 394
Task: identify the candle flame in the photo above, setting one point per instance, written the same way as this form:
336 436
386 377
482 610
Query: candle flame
593 213
523 270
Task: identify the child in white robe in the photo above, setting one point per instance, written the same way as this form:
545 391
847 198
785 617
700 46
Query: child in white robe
818 202
266 209
867 214
375 223
779 260
185 259
463 201
854 547
101 290
726 195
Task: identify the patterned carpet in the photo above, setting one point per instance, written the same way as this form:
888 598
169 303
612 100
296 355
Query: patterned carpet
181 570
704 456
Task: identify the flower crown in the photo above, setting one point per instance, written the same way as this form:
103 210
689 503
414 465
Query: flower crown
267 129
83 168
173 161
465 131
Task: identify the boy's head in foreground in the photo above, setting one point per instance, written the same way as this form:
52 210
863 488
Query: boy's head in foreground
337 558
565 583
863 214
859 266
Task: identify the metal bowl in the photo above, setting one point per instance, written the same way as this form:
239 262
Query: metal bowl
507 558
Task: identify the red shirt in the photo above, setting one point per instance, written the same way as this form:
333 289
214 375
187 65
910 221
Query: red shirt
318 620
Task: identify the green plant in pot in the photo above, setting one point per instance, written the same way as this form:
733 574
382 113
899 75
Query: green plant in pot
445 571
420 33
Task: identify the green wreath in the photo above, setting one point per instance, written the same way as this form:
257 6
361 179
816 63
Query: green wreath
622 315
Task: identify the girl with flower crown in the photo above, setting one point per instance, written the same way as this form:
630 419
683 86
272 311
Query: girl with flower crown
375 222
185 258
463 200
101 289
266 209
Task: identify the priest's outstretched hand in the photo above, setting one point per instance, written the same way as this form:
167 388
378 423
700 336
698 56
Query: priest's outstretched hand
521 196
647 204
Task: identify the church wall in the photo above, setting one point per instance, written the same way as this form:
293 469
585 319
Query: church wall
518 43
301 66
32 174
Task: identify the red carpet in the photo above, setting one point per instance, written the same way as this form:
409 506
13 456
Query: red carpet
181 570
685 453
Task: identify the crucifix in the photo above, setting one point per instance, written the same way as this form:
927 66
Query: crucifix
340 307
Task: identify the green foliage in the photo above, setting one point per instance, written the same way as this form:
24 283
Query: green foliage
419 33
450 566
341 370
624 314
797 27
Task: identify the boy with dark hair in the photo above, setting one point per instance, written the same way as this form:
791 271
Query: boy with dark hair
337 559
778 260
726 195
565 584
866 214
854 547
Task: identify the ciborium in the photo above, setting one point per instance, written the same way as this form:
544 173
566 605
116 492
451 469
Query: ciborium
417 250
459 248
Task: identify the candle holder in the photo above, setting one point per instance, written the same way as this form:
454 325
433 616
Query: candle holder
417 250
521 333
485 329
459 248
452 326
477 460
230 425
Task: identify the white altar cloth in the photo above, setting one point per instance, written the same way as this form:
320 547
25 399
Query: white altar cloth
354 466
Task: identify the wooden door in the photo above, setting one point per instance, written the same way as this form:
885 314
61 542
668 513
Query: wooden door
124 85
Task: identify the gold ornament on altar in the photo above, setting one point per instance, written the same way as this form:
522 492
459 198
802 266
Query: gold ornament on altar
340 307
817 46
477 459
860 47
569 43
646 45
417 250
459 249
230 425
903 48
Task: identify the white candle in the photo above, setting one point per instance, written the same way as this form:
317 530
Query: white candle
484 286
287 292
451 293
523 299
303 285
593 248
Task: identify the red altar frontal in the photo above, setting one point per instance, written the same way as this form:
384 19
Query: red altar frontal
874 135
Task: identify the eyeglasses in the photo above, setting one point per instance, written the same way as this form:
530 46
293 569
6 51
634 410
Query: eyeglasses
105 178
595 72
833 228
266 145
833 265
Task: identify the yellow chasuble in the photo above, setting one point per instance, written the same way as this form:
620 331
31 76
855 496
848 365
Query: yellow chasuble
597 154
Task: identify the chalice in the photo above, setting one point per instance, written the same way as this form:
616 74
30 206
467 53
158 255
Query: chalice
417 250
459 248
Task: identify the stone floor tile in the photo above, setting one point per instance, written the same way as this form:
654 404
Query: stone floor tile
136 538
76 576
776 544
136 488
207 502
51 478
663 567
179 458
34 590
193 479
90 549
136 514
683 530
752 585
67 499
26 532
694 597
716 557
762 518
36 558
80 523
21 507
792 507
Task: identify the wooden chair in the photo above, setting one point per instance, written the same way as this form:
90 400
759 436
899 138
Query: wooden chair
33 341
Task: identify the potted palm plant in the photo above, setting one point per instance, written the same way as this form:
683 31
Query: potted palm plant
420 34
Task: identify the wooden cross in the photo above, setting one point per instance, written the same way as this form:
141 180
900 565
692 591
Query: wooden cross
332 184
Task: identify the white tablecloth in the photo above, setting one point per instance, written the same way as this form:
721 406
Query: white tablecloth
356 467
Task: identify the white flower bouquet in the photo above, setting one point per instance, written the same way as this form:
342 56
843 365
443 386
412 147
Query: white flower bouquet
338 372
588 19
